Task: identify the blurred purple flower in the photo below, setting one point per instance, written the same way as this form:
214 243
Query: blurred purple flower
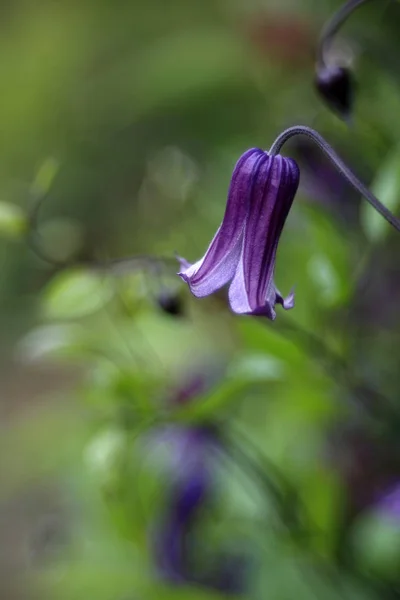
190 490
389 503
177 548
367 469
244 248
176 545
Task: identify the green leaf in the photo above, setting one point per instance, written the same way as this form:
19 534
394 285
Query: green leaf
76 293
45 176
386 187
13 222
58 340
244 372
325 277
254 367
328 263
104 452
260 339
377 544
211 404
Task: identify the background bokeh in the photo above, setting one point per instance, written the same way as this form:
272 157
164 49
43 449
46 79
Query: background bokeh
154 445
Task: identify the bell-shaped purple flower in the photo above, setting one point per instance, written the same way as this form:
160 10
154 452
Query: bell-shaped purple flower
244 248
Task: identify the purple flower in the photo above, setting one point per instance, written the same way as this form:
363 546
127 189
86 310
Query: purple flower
244 248
178 550
174 535
389 503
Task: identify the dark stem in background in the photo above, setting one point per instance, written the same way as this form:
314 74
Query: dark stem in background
332 27
339 164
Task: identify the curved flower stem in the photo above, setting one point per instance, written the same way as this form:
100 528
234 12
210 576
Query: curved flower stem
332 26
339 164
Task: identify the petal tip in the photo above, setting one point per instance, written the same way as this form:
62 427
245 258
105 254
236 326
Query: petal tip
183 263
288 302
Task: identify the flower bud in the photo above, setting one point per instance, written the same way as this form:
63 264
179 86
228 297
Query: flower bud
335 86
171 303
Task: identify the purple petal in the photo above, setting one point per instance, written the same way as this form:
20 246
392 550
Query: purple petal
252 290
219 263
287 302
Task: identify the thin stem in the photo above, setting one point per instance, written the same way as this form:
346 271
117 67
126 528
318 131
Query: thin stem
374 404
339 164
332 26
115 266
287 503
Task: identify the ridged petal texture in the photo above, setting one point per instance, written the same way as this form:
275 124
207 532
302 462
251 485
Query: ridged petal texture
243 250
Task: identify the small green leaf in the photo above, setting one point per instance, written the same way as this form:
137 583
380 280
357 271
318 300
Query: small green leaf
104 452
45 176
209 405
244 372
386 187
328 262
256 367
76 293
58 340
324 275
13 222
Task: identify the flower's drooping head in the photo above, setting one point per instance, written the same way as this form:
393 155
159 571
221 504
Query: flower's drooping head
244 248
335 87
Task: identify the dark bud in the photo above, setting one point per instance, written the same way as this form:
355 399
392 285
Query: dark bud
335 87
171 303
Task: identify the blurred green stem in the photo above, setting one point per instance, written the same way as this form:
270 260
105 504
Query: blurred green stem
286 501
332 27
372 402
